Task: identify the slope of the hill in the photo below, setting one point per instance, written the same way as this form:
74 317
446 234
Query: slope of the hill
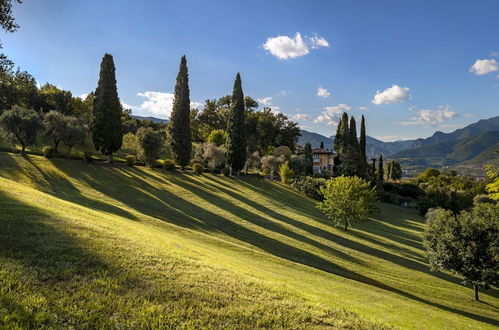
85 245
453 152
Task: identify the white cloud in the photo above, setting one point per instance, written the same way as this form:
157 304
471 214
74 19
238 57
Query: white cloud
388 138
284 93
482 67
284 47
317 42
331 114
301 116
265 101
363 108
157 103
323 92
432 117
83 96
394 94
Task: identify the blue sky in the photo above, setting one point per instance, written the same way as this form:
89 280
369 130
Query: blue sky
411 67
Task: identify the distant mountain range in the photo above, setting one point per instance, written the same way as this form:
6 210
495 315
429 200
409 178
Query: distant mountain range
473 144
153 119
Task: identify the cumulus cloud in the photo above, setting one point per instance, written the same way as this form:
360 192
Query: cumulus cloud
317 42
83 96
363 108
394 94
323 92
157 103
388 138
331 114
482 67
432 117
284 47
265 101
301 116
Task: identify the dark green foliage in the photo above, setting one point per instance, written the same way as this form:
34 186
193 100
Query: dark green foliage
353 143
218 137
150 143
20 125
362 142
88 156
130 160
48 151
381 171
427 174
341 138
443 197
226 171
307 152
393 170
236 139
298 164
180 120
404 189
483 199
53 122
197 168
169 165
467 244
106 126
322 146
310 186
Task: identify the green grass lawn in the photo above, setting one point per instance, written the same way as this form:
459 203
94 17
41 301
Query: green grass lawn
86 245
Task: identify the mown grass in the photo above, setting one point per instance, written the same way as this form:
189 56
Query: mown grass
92 246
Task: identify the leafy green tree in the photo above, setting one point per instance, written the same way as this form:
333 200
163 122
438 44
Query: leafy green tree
54 98
19 125
53 123
466 244
342 135
271 163
348 199
8 24
218 137
362 142
150 144
236 139
493 187
427 174
106 126
180 125
72 132
307 152
394 170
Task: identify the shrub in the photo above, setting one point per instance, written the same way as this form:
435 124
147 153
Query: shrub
217 137
130 160
310 187
226 171
88 156
444 198
20 125
210 155
197 168
483 199
150 143
169 165
48 151
389 197
285 172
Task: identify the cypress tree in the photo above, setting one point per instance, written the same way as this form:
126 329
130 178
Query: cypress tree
180 119
362 142
381 171
344 134
322 146
236 140
307 152
389 170
353 143
337 137
106 126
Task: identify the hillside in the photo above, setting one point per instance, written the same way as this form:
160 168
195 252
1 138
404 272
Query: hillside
453 152
92 246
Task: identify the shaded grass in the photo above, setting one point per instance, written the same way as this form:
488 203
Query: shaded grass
258 233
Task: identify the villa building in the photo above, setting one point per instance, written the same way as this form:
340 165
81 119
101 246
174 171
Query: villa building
323 160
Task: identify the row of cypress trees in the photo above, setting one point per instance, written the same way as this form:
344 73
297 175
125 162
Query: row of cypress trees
107 127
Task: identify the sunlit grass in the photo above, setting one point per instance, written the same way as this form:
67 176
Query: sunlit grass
84 244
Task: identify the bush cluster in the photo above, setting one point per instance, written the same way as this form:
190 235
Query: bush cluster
197 168
48 151
310 186
169 165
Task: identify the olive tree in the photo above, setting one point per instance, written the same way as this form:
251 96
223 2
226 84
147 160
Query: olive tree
466 244
72 132
19 125
271 163
53 122
150 144
348 199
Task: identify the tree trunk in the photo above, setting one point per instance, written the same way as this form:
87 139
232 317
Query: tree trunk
111 160
475 287
23 149
68 155
346 225
230 170
246 169
56 144
271 175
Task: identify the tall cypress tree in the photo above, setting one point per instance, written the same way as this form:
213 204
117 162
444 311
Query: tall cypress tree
337 137
180 119
307 152
236 140
344 133
381 170
353 143
106 125
362 142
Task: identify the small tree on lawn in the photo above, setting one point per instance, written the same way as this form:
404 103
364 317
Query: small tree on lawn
271 163
285 172
466 244
53 122
72 132
348 199
20 125
218 137
150 143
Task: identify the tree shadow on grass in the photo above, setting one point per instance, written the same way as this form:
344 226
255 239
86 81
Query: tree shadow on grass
162 204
